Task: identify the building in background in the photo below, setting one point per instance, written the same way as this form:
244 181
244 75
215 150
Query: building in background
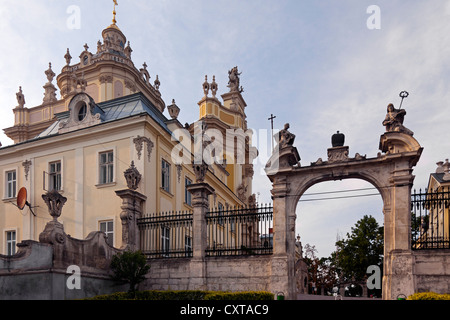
109 116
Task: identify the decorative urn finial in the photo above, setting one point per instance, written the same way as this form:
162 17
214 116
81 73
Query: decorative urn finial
338 140
133 177
55 202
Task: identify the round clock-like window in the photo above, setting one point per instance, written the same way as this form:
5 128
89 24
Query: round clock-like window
85 60
82 111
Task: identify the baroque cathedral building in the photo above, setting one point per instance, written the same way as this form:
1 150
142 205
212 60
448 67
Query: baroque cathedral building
110 116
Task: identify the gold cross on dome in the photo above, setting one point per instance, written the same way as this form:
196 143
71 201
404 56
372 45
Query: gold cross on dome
114 12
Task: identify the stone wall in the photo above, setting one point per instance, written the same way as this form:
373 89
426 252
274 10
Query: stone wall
432 270
39 270
242 273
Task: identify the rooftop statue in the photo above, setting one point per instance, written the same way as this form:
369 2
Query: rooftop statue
234 80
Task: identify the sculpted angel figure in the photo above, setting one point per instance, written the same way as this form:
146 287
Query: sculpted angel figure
394 120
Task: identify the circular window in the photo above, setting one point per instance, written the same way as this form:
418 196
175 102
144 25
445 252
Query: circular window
82 111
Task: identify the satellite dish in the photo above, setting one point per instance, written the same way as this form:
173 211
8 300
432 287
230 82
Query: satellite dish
22 200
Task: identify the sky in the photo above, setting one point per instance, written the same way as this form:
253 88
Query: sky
321 66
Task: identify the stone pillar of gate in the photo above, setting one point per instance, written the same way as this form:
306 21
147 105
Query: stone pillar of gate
283 260
132 204
200 192
279 168
403 152
132 207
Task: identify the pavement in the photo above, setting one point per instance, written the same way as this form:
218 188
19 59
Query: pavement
318 297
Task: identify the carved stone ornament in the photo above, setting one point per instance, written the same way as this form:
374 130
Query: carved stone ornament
179 169
174 110
26 165
200 172
139 144
55 202
206 86
83 113
68 57
133 177
241 192
50 89
338 154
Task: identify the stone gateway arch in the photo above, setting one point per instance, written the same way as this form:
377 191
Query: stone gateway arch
390 172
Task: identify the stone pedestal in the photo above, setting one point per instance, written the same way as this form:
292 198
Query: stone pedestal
132 205
200 193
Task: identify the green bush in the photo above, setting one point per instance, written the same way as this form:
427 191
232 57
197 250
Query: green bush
429 296
187 295
129 267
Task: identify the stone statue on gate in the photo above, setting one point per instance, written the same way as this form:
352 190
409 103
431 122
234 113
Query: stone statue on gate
284 137
394 120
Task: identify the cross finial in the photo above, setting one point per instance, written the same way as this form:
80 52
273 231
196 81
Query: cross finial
272 117
114 12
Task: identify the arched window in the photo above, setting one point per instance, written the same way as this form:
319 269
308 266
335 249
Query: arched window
82 111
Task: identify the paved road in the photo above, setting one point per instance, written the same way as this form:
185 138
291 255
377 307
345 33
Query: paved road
314 297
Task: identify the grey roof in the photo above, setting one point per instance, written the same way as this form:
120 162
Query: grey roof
117 109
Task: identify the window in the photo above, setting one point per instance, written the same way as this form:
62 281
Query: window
187 194
82 112
106 167
188 245
165 240
55 176
108 228
11 184
220 214
10 243
165 175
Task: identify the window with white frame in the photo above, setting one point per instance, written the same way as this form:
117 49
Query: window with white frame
10 243
165 175
10 184
165 239
54 173
107 227
187 194
106 167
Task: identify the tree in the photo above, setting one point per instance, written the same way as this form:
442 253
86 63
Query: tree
361 249
129 267
321 271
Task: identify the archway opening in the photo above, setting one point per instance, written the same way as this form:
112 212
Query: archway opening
326 213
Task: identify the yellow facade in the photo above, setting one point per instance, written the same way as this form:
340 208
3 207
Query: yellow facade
90 158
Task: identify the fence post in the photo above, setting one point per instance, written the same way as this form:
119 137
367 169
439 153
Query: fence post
200 203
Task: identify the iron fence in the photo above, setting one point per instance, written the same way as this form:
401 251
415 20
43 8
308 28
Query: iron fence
240 231
166 235
430 228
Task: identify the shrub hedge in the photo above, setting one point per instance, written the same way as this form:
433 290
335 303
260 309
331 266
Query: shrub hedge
429 296
187 295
